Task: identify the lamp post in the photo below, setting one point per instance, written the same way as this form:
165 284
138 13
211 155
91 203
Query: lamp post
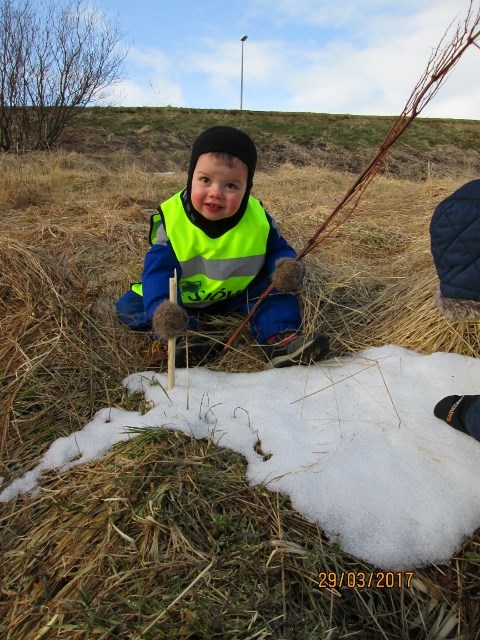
242 40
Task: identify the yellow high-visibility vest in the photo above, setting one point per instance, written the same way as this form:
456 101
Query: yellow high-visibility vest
213 269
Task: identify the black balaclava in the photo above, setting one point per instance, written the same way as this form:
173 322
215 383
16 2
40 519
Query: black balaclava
223 140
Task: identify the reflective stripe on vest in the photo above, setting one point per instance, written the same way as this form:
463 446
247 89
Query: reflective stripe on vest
155 222
214 269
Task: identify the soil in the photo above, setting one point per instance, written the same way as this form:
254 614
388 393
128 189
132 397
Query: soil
163 152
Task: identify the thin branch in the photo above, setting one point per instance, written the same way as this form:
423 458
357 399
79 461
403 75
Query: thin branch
440 64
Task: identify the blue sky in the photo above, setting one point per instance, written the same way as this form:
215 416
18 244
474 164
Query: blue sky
331 56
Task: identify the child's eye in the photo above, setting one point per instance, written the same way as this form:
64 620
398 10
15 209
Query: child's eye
231 185
204 179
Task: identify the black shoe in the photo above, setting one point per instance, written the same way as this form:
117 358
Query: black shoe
201 349
297 349
452 410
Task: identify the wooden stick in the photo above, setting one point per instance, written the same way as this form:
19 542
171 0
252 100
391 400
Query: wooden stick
172 341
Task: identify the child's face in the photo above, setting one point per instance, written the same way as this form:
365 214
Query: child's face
217 189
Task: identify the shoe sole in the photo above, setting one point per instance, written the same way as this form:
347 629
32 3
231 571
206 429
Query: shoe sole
317 346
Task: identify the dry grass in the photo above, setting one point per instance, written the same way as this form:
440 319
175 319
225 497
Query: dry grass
164 538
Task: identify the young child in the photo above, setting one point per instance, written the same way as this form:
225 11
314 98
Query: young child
226 250
455 245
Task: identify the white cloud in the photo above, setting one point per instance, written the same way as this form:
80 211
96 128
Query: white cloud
341 77
353 14
222 61
151 81
362 59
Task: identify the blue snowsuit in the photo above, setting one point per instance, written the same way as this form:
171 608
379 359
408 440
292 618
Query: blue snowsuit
455 246
472 420
279 312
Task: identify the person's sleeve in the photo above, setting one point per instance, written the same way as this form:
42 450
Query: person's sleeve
277 247
472 419
158 267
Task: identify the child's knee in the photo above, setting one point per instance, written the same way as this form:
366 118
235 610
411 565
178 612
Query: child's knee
131 312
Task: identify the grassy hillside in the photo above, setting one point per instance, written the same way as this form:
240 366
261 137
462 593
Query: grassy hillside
163 136
349 131
164 538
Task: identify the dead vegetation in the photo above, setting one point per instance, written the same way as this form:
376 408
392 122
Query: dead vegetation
164 538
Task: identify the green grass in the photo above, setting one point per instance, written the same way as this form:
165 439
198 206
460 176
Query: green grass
348 131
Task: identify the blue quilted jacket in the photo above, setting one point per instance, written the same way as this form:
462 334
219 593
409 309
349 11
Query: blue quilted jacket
455 243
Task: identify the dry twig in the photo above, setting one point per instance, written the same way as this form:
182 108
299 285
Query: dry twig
440 64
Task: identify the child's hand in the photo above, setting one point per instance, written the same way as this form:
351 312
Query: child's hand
288 275
169 320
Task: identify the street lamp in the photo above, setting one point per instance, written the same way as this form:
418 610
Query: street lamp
242 40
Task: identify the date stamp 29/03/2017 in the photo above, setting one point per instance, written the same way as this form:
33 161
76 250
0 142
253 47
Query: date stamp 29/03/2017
365 579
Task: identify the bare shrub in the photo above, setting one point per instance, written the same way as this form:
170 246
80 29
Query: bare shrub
55 58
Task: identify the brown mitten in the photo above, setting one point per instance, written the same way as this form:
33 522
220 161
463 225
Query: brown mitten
457 310
288 275
169 320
